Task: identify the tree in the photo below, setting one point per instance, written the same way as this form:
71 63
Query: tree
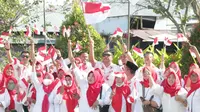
79 33
196 8
187 58
12 11
171 9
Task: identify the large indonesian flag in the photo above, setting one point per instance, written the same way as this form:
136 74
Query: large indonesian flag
95 12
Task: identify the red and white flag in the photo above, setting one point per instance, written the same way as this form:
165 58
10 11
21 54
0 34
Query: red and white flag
138 51
1 42
180 35
45 56
77 48
42 51
118 32
52 52
10 30
95 12
56 30
28 31
155 41
64 31
5 35
44 32
41 54
68 31
167 42
192 54
36 30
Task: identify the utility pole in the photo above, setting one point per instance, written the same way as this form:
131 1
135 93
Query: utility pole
128 43
45 37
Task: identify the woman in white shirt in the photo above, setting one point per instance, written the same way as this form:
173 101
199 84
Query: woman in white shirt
67 96
120 93
143 90
187 80
172 94
193 96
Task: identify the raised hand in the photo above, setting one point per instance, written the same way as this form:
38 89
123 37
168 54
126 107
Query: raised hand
95 105
91 42
194 49
124 47
7 45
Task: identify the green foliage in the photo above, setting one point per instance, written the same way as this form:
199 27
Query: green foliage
157 55
10 12
187 58
79 33
175 10
4 58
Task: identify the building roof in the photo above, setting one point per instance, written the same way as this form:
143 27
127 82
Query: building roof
148 35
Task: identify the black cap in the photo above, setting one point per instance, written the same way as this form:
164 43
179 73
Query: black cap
107 53
131 65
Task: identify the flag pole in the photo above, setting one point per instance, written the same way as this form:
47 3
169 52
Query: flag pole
45 40
128 25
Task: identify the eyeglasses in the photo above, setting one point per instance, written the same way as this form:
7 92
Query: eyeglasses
24 56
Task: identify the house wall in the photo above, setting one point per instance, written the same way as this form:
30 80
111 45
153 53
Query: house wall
109 25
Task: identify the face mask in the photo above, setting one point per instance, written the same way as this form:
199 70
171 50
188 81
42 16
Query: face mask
11 86
119 85
47 82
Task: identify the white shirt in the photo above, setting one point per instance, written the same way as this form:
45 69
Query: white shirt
194 101
169 103
40 95
148 94
4 100
83 84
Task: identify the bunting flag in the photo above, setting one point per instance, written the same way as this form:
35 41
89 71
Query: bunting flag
28 31
95 12
167 42
118 32
138 51
36 30
77 48
155 41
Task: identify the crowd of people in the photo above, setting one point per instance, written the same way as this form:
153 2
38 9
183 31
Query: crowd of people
83 84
